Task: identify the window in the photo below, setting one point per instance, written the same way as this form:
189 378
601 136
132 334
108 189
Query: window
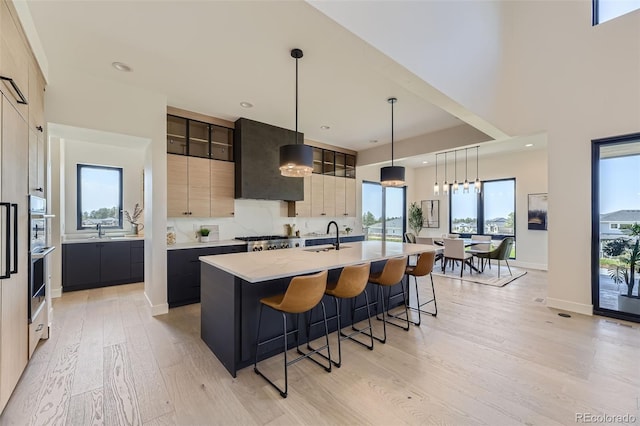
383 212
491 212
605 10
615 259
99 197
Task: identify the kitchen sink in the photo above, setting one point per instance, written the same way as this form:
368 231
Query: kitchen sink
325 248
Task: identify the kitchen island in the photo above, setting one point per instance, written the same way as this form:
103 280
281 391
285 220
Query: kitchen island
233 284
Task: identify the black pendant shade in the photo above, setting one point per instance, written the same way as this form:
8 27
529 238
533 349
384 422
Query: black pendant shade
296 160
392 175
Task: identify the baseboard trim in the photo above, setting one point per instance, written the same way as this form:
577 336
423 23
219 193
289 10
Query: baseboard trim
528 265
56 292
567 305
156 310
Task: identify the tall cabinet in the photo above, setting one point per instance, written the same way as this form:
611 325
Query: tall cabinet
200 168
22 171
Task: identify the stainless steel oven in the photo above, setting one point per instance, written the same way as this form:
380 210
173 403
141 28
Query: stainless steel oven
38 252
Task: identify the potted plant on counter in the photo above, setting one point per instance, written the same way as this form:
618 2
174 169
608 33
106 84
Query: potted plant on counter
204 235
625 273
136 226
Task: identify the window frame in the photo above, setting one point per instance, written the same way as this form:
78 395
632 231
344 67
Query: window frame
480 211
79 169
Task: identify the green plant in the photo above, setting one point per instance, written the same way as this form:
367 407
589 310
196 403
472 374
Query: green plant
416 218
629 262
133 218
347 229
615 247
204 232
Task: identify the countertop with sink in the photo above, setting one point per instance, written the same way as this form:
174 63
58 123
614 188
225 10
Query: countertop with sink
260 266
88 238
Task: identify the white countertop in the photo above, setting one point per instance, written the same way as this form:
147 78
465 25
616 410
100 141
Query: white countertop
196 244
81 239
268 265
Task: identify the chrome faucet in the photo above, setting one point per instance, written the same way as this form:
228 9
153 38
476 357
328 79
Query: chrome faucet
337 243
100 231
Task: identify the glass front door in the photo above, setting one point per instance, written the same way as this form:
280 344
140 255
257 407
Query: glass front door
616 227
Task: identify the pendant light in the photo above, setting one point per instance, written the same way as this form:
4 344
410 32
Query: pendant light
392 175
465 186
296 160
477 185
436 186
455 172
445 184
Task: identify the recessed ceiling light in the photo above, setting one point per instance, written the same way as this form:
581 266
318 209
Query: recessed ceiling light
528 145
246 104
373 141
120 66
324 127
425 162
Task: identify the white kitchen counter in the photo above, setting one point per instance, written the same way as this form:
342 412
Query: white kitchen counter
195 244
260 266
80 239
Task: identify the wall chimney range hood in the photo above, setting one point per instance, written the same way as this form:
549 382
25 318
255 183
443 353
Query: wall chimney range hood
256 150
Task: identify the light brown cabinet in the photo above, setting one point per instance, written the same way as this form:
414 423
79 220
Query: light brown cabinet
36 163
199 187
13 290
14 61
222 188
187 186
326 196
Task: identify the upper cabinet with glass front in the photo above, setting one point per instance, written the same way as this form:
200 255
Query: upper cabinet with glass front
199 139
333 163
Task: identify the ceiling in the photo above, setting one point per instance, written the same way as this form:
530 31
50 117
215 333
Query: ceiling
208 56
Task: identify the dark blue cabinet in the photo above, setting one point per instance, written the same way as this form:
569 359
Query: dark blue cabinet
183 272
100 264
343 239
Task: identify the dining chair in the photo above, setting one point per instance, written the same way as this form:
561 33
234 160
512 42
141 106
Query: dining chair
430 241
502 252
454 250
409 237
480 244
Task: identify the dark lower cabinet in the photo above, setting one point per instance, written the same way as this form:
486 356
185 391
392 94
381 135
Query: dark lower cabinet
100 264
137 261
183 272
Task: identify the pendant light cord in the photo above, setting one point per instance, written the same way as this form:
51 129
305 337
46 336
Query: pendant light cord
392 102
296 134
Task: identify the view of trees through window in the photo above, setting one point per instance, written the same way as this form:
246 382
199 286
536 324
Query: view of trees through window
99 196
491 212
383 212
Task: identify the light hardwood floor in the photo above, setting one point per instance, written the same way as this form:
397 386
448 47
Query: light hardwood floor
493 356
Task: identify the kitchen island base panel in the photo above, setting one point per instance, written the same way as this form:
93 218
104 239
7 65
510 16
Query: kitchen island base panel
230 309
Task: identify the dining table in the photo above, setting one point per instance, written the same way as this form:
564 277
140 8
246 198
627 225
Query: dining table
468 242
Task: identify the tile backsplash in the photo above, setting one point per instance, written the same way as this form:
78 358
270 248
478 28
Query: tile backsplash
256 217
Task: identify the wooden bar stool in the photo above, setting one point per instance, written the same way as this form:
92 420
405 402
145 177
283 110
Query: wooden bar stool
302 295
392 274
350 285
423 267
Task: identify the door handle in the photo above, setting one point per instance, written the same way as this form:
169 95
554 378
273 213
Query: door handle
21 99
14 269
7 241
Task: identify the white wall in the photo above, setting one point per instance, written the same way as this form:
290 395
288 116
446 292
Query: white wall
131 160
77 99
529 168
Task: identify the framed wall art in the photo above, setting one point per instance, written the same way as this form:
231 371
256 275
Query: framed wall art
431 212
537 212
